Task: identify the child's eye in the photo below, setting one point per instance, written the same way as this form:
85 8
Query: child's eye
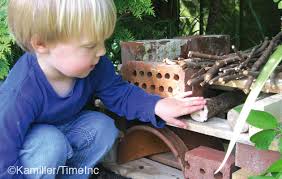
90 46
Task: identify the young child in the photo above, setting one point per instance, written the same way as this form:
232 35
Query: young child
41 119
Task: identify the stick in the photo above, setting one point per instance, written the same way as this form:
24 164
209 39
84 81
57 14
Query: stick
262 59
195 80
218 104
227 67
226 79
243 64
238 53
198 73
203 55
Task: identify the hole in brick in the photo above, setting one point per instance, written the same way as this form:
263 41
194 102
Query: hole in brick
176 77
134 73
152 87
161 88
141 167
141 73
170 89
167 75
136 83
202 171
159 75
144 86
219 175
149 74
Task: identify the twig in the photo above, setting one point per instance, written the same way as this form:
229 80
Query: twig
195 80
198 73
203 55
226 79
238 53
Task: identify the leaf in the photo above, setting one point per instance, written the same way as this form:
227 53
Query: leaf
280 5
275 167
262 120
276 175
276 1
263 139
280 145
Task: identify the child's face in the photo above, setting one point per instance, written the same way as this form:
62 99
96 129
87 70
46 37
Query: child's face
76 58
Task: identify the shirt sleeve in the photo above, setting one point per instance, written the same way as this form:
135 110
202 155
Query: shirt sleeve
123 98
16 115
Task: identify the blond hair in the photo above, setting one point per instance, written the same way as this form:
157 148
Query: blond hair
60 20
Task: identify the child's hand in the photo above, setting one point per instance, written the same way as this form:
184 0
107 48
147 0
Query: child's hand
172 107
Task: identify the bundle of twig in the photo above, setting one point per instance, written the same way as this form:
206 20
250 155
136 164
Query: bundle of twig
238 65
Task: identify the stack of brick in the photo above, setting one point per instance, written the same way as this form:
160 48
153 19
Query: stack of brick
142 62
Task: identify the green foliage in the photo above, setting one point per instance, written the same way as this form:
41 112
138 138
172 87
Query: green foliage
263 138
9 51
279 3
280 144
262 120
136 21
5 41
275 167
272 130
138 8
189 17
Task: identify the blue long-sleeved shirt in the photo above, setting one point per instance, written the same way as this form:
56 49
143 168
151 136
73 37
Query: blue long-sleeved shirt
26 97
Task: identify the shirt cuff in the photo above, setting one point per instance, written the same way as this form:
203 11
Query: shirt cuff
155 120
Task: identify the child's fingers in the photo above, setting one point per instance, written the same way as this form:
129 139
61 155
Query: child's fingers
194 103
191 109
176 122
187 99
183 95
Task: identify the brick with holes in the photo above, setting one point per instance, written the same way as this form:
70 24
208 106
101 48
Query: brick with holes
159 78
203 162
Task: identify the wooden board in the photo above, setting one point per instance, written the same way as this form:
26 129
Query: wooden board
145 169
216 127
167 159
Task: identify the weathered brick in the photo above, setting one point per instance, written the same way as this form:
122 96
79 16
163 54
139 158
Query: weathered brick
159 78
242 174
157 50
209 44
204 161
254 160
151 50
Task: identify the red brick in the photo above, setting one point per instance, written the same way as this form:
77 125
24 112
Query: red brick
209 44
158 78
254 160
157 50
204 161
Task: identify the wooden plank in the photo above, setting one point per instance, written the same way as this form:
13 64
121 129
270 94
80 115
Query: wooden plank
216 127
167 159
145 168
220 128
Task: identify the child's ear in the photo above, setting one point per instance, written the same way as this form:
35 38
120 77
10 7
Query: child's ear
39 45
